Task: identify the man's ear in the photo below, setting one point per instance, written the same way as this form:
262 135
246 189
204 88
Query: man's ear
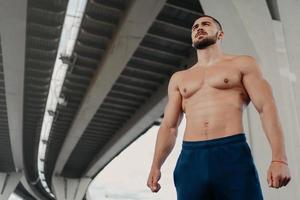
221 34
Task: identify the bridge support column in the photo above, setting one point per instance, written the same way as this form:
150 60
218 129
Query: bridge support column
8 183
70 189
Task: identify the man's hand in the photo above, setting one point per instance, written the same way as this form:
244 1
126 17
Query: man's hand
278 175
153 179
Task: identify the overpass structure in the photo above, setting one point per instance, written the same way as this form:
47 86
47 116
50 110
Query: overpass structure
115 84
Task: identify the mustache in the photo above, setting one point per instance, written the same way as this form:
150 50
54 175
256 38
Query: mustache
200 32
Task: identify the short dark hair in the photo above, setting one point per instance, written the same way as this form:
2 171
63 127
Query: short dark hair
215 20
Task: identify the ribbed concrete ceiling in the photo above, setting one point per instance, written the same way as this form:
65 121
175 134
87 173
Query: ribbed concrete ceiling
44 25
100 21
162 51
155 60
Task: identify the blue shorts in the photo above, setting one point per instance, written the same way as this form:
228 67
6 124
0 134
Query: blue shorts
217 169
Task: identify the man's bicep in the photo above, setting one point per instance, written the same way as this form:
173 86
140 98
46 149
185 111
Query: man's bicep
258 88
173 112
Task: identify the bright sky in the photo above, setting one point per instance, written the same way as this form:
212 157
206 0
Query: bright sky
13 196
126 176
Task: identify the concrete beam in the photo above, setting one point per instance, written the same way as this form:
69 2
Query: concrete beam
135 24
28 188
8 183
70 189
13 37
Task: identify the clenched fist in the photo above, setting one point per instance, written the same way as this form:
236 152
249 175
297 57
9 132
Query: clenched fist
153 179
278 175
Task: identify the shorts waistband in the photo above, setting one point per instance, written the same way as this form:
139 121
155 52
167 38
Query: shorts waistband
240 137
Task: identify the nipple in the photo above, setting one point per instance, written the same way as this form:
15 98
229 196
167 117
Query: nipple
242 95
184 90
226 80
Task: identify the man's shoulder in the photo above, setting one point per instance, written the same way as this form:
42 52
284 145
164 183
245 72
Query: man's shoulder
246 59
176 76
245 63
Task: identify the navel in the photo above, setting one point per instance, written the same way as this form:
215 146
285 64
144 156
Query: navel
226 80
184 90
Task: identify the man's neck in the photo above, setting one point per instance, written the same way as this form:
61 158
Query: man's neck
209 55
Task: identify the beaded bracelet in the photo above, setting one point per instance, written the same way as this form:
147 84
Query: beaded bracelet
280 161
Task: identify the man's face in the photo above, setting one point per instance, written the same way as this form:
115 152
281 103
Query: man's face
204 33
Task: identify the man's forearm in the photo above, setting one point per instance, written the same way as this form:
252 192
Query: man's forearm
273 130
165 142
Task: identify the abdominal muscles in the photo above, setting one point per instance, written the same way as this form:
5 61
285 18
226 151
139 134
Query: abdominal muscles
213 113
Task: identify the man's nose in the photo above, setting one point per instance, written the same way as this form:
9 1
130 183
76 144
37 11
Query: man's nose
200 30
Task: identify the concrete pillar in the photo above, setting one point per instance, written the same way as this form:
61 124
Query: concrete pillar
8 183
290 116
70 189
289 13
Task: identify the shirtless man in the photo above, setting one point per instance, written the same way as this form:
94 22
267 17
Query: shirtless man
216 161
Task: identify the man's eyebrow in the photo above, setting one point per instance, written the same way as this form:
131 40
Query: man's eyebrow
201 23
206 22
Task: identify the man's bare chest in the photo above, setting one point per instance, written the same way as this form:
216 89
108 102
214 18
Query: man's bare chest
218 77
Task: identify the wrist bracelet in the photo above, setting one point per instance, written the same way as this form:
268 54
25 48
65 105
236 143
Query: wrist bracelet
280 161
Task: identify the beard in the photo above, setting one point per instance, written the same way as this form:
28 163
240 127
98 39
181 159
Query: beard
202 44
